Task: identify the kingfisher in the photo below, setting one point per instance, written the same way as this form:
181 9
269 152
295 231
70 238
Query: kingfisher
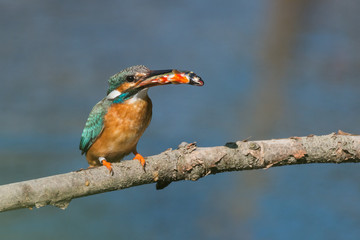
116 123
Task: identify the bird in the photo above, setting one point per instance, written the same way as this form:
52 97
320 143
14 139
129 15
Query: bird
116 123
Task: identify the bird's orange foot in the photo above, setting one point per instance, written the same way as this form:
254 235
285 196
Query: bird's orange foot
107 165
141 159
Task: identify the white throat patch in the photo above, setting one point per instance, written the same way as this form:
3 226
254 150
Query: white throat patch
113 94
140 95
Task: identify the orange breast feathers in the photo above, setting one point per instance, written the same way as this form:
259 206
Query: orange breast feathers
124 124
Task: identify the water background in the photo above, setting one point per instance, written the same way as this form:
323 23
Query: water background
272 69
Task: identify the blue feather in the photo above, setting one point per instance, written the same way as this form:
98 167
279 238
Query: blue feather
121 98
94 125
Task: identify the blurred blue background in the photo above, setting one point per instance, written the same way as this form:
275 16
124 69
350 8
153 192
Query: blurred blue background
272 69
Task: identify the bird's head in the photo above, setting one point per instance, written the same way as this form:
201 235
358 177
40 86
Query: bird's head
131 80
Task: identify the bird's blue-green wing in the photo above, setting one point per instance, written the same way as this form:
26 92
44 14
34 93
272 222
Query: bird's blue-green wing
94 125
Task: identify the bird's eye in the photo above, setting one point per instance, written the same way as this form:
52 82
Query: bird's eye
130 78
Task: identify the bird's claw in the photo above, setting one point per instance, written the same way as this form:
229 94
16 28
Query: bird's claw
141 159
108 166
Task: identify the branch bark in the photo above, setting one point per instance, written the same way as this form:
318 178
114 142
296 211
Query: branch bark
188 162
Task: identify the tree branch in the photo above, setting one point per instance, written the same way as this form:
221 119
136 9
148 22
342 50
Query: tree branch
188 162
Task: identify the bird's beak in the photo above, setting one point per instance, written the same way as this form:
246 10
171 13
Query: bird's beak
172 76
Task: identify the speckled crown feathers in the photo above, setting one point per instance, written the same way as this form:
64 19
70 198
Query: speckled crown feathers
117 79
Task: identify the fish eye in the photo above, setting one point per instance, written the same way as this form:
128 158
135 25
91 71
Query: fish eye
130 78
